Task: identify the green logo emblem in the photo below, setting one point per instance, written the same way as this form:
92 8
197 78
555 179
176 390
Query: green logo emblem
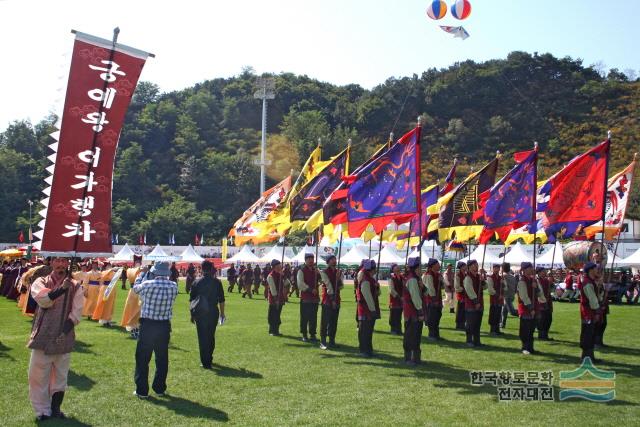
588 382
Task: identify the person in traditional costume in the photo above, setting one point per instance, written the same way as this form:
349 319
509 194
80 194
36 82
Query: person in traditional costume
28 278
308 281
413 313
331 279
495 289
14 291
591 309
544 311
368 307
257 279
247 278
473 303
458 287
93 283
396 286
190 277
232 278
59 299
131 314
432 280
528 293
103 312
449 292
277 292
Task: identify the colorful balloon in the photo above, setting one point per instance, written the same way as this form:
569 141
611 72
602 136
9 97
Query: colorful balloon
461 9
437 9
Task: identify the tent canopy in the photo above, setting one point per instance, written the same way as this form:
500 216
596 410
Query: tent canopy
632 260
389 255
299 258
124 254
276 253
190 255
354 256
245 255
517 255
158 254
479 253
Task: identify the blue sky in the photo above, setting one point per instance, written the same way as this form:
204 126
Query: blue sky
341 42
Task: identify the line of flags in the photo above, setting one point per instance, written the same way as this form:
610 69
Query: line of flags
383 196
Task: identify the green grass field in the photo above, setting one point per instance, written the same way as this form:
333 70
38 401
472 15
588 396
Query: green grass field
262 380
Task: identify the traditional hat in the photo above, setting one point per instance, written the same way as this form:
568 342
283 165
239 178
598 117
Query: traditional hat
432 262
589 266
275 262
413 262
524 265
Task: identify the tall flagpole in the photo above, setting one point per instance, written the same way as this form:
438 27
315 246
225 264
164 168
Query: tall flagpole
604 201
406 257
418 194
379 254
533 203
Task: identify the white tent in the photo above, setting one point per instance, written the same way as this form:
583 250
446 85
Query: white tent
124 254
354 256
430 248
389 255
245 255
299 258
190 255
632 260
517 255
548 257
478 253
276 253
157 254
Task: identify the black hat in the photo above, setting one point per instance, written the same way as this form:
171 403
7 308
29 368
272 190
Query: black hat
432 262
330 257
589 266
471 262
308 255
461 264
275 262
524 265
413 262
539 269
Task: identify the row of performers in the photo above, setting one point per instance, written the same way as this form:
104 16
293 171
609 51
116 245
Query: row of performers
94 278
416 296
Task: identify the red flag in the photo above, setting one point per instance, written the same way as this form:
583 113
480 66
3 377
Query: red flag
141 240
197 239
21 237
102 79
575 197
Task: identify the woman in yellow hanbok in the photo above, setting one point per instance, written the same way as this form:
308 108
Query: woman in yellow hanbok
104 307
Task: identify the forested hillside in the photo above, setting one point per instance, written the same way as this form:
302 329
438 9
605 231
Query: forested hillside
186 159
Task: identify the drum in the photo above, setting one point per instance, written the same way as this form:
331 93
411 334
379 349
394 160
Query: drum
577 254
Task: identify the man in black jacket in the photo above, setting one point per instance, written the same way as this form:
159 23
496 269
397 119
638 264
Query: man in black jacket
208 288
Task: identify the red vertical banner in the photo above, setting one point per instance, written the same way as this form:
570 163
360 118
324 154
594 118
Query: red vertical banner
77 213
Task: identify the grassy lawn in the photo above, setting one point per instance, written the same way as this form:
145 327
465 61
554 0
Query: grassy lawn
263 380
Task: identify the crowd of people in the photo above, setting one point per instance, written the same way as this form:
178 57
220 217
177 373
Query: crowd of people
59 298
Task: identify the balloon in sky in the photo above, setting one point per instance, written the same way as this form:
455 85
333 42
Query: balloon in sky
437 9
461 9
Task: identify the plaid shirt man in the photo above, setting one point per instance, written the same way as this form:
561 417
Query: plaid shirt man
158 296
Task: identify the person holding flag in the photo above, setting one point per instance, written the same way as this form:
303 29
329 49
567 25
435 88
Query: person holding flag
396 285
590 309
495 289
528 293
473 286
331 279
412 312
544 310
59 299
458 287
277 291
308 279
368 307
432 280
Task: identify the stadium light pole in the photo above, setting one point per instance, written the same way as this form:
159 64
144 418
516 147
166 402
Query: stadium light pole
266 90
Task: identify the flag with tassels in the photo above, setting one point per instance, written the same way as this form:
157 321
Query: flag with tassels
387 189
510 203
575 196
618 191
456 209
